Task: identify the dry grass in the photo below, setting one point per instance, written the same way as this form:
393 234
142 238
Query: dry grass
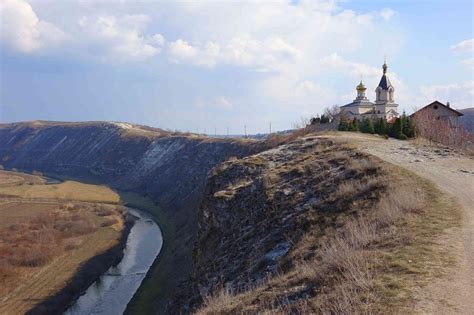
68 190
275 140
357 187
371 261
44 241
14 178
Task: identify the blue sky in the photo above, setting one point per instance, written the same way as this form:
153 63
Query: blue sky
208 64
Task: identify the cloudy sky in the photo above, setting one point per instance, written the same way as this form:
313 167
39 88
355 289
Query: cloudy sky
215 64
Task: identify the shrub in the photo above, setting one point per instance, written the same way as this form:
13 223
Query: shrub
343 125
108 222
104 212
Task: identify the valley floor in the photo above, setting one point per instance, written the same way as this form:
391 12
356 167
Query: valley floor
46 234
452 172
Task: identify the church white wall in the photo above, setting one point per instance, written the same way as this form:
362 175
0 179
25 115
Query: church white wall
381 95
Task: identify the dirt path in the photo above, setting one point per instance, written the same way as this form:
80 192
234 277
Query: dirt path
452 173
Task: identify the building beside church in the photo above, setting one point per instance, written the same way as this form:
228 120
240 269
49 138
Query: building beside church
439 111
362 107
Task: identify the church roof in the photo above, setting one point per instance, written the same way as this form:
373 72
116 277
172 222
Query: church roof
384 82
362 103
361 86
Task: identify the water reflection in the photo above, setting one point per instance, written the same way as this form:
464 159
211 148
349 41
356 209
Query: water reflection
111 293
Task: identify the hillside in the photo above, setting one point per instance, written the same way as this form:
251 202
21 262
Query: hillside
314 226
144 164
296 224
468 119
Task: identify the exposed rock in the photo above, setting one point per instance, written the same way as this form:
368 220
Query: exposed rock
255 209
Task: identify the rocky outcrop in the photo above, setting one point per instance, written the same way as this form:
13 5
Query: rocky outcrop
263 213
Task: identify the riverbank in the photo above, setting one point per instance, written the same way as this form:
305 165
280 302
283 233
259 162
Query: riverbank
53 245
87 274
111 293
169 268
150 298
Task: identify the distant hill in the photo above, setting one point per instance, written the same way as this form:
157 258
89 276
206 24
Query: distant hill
468 119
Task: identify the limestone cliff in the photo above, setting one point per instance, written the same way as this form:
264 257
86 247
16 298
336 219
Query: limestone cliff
169 168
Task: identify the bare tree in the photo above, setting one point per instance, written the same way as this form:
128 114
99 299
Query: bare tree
302 123
332 112
437 129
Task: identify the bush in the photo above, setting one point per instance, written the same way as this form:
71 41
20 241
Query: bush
108 222
343 125
104 212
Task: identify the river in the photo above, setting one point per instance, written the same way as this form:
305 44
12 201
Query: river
111 293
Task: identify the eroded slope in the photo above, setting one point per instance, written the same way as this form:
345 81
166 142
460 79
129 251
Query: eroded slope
313 227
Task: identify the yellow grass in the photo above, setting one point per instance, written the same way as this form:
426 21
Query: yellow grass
68 190
24 284
14 178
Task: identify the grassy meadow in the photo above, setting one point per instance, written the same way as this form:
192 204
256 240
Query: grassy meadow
46 232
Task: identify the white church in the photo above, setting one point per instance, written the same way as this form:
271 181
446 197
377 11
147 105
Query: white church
362 107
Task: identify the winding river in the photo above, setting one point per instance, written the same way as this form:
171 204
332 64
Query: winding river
111 293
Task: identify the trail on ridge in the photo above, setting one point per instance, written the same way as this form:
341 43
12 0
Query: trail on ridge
453 173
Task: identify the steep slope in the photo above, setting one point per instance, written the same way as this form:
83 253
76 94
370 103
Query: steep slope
121 155
313 226
309 226
171 169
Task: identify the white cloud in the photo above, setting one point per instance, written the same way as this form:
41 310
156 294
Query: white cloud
220 102
283 42
353 69
464 46
387 13
237 51
118 39
224 103
469 63
181 50
157 39
460 95
306 86
22 30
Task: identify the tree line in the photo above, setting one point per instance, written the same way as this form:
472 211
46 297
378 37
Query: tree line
402 127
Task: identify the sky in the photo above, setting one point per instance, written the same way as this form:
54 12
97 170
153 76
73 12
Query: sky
209 66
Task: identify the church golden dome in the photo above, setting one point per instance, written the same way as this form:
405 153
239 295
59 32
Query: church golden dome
361 87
